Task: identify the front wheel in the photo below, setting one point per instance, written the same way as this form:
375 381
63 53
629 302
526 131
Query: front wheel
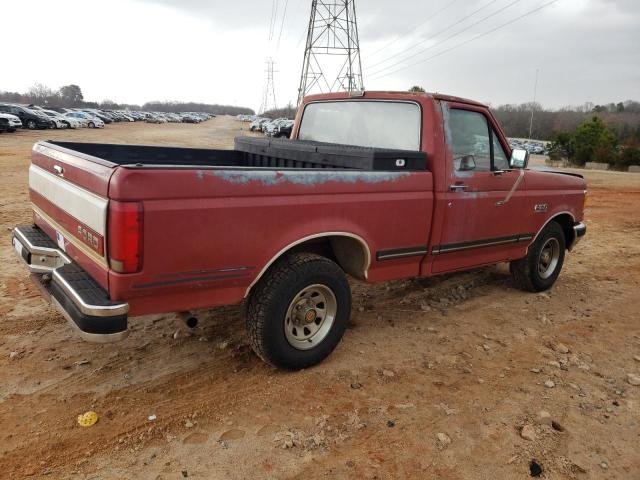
92 125
539 270
298 312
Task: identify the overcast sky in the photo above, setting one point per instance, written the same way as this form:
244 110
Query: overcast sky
214 51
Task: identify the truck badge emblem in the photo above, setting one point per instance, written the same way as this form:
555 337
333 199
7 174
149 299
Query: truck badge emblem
540 208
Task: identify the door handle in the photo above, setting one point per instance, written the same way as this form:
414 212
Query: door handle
59 170
457 188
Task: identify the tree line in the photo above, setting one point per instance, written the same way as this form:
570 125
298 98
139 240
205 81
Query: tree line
607 133
71 96
623 118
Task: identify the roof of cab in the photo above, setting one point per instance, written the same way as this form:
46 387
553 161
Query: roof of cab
373 93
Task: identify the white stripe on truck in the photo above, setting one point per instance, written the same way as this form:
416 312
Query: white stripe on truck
81 204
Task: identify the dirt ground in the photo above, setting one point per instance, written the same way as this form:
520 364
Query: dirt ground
435 378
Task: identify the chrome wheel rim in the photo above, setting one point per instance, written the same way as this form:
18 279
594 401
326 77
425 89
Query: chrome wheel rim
548 258
310 316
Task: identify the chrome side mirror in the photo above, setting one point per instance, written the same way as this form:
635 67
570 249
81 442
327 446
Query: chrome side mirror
519 158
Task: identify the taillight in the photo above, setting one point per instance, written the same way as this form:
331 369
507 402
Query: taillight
125 236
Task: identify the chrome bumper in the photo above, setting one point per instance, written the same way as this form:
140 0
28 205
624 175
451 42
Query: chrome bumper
579 231
84 304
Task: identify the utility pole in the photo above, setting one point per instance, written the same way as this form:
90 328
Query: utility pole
332 52
269 94
533 105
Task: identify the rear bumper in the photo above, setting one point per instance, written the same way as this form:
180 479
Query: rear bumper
84 303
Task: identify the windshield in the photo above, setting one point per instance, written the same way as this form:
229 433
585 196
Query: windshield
363 123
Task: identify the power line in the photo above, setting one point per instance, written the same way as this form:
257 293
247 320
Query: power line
446 39
274 14
284 15
431 37
398 37
530 12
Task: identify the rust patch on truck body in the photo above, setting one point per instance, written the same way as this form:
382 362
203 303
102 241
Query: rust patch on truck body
306 177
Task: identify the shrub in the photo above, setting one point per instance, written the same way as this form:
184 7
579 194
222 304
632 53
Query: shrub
592 142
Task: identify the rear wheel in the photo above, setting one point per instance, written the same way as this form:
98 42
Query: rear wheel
298 312
539 270
31 124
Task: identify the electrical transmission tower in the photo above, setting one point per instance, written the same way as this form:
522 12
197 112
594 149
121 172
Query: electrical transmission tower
269 94
332 53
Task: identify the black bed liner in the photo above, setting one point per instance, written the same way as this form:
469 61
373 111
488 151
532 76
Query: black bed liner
257 152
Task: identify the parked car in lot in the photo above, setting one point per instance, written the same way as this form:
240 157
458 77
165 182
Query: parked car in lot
284 129
92 122
394 185
4 125
256 125
13 122
98 114
69 122
154 118
82 122
59 122
29 118
271 128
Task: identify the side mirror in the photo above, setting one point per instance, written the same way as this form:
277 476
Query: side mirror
519 158
466 163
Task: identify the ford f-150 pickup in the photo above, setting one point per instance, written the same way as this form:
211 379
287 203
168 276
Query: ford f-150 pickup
377 186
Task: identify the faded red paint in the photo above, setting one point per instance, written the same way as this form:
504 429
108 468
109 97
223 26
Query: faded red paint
209 232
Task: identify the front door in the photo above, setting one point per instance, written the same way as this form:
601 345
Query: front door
483 204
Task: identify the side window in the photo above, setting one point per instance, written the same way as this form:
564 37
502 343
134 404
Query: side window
500 160
470 141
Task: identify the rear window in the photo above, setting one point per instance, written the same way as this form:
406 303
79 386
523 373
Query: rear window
376 124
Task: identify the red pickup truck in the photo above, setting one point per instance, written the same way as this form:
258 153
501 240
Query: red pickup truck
377 186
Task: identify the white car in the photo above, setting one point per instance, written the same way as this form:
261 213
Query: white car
14 121
69 122
82 122
92 122
59 123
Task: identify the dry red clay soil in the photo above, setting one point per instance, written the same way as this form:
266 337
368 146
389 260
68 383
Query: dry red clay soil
442 378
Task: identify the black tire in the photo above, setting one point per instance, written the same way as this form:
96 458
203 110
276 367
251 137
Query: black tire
92 125
272 297
31 124
526 271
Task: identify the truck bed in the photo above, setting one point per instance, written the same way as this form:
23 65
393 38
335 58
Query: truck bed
256 152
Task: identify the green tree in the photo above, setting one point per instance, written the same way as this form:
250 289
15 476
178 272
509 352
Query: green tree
416 88
71 94
592 142
561 147
629 154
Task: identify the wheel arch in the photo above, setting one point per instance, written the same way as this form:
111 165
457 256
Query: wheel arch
566 220
348 250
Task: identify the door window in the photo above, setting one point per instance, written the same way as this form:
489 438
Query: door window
475 145
500 159
470 141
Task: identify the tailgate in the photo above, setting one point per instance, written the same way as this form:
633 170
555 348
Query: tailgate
68 191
